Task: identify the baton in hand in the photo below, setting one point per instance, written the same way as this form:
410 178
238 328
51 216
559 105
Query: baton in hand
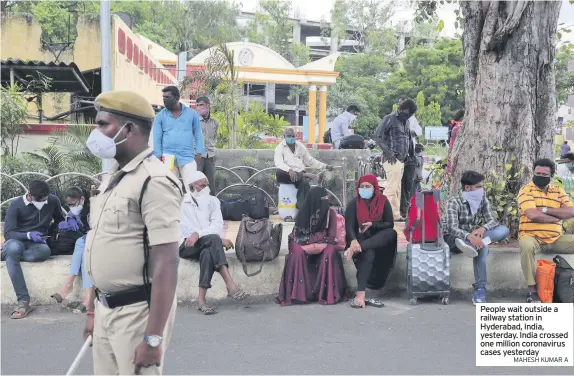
80 355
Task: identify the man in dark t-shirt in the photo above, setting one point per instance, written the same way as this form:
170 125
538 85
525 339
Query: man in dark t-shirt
26 225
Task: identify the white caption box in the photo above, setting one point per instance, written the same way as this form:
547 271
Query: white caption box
523 335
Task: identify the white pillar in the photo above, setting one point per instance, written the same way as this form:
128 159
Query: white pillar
106 46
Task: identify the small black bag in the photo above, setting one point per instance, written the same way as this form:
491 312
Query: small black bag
63 243
258 204
563 281
327 137
234 210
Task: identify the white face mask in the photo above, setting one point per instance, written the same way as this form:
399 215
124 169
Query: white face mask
75 210
39 205
205 191
474 199
103 146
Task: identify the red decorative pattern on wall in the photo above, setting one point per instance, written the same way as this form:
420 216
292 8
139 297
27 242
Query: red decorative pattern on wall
130 49
136 55
122 41
128 46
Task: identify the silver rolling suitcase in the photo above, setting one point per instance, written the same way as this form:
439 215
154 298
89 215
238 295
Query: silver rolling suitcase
428 263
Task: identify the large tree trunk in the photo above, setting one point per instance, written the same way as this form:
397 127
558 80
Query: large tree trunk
509 49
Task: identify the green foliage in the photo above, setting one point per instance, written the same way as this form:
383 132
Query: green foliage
437 72
564 79
13 115
427 115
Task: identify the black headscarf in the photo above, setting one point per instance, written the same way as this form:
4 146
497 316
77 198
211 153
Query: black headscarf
312 218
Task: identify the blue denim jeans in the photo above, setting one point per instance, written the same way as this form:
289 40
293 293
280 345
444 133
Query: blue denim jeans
16 251
479 262
78 264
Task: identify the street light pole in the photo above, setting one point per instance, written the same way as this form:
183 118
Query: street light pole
106 49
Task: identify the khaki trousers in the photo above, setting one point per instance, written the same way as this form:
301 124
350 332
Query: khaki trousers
529 246
117 333
392 186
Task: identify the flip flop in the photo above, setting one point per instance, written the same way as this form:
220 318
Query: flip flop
73 305
374 303
57 297
239 294
354 305
21 311
206 310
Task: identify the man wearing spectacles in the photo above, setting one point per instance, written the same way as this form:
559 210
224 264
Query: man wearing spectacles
471 226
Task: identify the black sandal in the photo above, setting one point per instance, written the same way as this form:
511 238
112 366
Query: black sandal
355 305
374 303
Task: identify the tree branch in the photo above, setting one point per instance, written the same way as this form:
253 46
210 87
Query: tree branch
515 11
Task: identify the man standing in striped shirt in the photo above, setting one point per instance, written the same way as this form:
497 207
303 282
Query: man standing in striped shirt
543 206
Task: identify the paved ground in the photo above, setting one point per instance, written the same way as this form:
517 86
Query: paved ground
263 338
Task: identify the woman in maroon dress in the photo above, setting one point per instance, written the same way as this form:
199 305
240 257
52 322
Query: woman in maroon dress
313 269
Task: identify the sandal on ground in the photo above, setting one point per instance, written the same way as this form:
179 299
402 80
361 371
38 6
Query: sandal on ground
62 301
374 303
206 310
80 308
22 310
239 294
355 305
72 305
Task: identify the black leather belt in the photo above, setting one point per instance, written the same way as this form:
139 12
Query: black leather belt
122 298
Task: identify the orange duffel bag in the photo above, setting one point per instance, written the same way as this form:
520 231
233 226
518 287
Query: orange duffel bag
545 271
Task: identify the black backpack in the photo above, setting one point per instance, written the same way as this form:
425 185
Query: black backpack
63 243
563 281
327 137
258 203
234 210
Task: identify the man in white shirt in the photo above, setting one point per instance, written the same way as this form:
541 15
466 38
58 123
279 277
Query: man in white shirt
201 226
341 124
292 159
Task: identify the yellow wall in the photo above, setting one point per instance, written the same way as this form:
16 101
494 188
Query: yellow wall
128 76
21 39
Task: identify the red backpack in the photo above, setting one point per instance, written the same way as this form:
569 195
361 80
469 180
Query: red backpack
423 221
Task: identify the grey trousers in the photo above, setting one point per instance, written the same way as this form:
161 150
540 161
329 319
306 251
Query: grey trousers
209 252
207 166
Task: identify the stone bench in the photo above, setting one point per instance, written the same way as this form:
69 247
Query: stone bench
504 273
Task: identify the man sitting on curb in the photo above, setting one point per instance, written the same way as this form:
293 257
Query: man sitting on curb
470 220
543 206
292 158
201 225
27 223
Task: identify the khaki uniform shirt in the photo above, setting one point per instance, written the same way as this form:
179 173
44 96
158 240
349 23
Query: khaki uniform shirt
114 253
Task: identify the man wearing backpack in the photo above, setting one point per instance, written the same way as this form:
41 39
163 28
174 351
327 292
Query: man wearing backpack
201 226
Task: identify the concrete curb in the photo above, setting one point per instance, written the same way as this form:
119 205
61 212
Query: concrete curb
504 276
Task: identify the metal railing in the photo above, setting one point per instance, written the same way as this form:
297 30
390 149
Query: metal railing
363 168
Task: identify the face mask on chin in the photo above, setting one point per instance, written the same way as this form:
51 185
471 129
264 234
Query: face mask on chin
103 146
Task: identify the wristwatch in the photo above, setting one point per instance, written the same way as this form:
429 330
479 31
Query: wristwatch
544 210
153 341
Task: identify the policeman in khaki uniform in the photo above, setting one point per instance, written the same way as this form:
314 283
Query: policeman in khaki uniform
134 284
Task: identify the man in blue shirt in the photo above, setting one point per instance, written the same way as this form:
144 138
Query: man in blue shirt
177 134
28 221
